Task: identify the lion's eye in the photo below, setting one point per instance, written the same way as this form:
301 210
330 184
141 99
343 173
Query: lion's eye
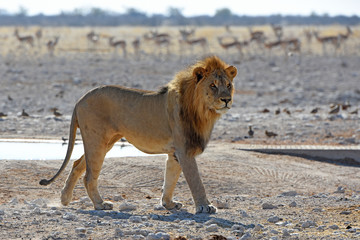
213 86
229 86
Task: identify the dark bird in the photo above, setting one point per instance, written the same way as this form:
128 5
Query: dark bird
10 98
265 110
270 134
277 111
251 132
24 114
180 238
315 110
287 111
345 106
335 109
56 112
354 112
216 237
3 114
64 139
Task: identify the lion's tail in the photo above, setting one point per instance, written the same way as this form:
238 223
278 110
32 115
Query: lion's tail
72 135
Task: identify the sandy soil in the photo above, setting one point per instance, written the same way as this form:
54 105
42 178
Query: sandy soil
311 199
308 199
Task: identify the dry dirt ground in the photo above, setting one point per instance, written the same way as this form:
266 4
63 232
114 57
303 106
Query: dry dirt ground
308 198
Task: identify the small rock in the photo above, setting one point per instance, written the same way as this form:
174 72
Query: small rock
268 206
321 228
135 219
118 198
69 216
221 204
243 214
158 236
136 237
80 230
237 227
274 219
14 201
258 227
340 190
293 204
159 207
118 233
212 228
318 210
127 207
2 212
334 227
187 222
246 236
345 212
308 224
285 233
289 194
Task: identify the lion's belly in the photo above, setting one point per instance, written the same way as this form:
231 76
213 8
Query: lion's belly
151 145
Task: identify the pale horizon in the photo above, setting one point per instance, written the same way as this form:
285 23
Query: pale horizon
191 8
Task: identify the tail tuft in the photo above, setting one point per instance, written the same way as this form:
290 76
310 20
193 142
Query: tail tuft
44 182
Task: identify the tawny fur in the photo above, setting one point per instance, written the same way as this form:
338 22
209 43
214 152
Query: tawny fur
176 120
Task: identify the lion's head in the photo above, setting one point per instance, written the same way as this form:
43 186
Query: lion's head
206 91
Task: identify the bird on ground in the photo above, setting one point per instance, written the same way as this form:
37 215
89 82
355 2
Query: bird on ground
251 132
335 109
315 110
56 112
24 114
354 112
270 134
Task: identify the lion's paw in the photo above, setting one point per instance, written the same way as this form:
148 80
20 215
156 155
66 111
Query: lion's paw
206 209
65 197
104 206
172 205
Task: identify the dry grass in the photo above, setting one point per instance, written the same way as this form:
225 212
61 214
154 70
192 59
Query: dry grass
73 39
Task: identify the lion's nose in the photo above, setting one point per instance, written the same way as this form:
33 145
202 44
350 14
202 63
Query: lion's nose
225 100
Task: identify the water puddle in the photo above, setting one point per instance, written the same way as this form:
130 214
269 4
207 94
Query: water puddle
24 149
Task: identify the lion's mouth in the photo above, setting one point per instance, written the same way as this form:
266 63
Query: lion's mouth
223 109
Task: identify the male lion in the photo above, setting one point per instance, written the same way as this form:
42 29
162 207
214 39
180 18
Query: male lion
176 120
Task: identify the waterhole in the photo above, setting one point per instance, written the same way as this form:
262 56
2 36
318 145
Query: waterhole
24 149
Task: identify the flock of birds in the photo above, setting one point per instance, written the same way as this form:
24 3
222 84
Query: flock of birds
187 40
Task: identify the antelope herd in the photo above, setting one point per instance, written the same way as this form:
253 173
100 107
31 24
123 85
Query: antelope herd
256 42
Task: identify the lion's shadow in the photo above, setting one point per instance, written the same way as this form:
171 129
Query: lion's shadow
174 217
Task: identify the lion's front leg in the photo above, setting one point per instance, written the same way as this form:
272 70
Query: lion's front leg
172 173
192 176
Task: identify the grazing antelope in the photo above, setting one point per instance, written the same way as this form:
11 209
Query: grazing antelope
38 35
333 40
92 38
24 39
161 40
345 36
136 46
258 36
51 45
116 44
185 40
233 44
278 31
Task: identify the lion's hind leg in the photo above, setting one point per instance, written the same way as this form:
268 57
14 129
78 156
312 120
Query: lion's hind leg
95 152
172 173
76 172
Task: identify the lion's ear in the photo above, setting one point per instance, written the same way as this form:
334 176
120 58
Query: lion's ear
199 73
231 72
